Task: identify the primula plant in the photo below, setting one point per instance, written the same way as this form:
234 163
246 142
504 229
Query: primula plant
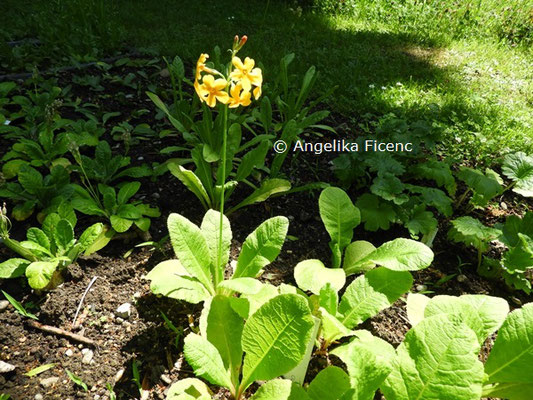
47 250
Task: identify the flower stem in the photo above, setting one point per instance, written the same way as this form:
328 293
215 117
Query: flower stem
219 270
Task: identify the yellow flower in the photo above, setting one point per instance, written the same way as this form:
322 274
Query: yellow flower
201 67
212 90
246 74
239 97
257 92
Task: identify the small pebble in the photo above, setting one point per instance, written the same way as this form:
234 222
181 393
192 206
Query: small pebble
3 304
47 382
461 278
140 158
38 396
6 367
87 357
118 375
119 320
516 300
123 311
421 288
137 295
503 205
69 353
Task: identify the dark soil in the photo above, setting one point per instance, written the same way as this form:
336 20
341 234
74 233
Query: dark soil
143 339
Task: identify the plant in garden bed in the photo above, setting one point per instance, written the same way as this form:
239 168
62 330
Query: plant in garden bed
273 340
516 234
47 251
376 289
226 145
33 191
199 271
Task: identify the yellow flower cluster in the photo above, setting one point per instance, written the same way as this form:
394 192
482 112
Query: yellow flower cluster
235 90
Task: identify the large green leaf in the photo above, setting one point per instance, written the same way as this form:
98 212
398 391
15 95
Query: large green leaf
205 360
120 224
370 293
275 338
170 279
437 360
40 273
485 186
369 360
330 384
511 357
261 247
63 235
241 285
340 217
312 275
127 191
13 268
416 306
280 389
354 257
483 314
224 331
210 229
191 248
38 236
401 255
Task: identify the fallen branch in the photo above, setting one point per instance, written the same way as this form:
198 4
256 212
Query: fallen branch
62 332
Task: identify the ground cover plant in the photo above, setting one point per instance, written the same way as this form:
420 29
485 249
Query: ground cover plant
181 218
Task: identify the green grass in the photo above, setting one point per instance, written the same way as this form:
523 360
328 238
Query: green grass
463 77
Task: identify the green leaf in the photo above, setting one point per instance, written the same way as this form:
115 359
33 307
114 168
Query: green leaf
189 389
437 360
128 211
261 247
205 360
438 171
120 224
242 285
127 191
483 314
401 255
87 206
40 369
370 293
192 182
369 360
518 167
170 279
416 305
63 235
330 384
340 217
329 299
90 235
40 273
471 232
77 380
210 229
375 213
512 355
191 248
389 187
275 338
485 186
434 198
331 328
354 257
19 307
30 179
280 389
312 275
13 268
421 221
224 331
268 188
